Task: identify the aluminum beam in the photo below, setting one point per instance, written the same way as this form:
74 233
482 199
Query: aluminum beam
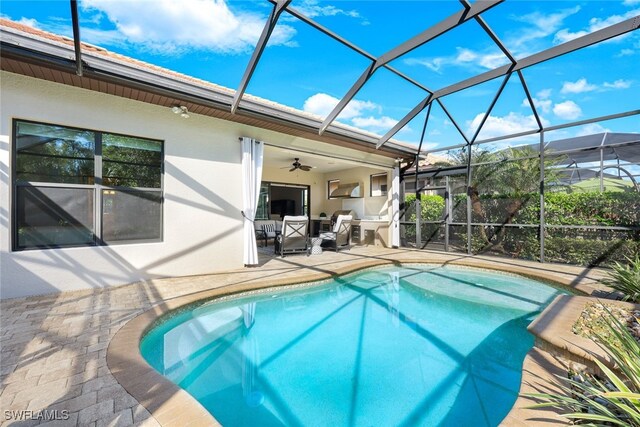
546 55
607 33
406 47
76 36
278 8
530 99
324 30
406 119
593 120
416 162
455 123
493 104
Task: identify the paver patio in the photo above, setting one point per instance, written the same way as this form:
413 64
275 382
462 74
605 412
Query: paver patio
53 348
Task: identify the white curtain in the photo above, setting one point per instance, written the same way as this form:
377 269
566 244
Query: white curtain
252 153
395 207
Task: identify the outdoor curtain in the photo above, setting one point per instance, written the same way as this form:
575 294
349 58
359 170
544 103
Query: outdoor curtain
252 154
395 207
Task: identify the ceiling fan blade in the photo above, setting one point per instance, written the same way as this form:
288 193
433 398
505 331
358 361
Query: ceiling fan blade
292 169
305 168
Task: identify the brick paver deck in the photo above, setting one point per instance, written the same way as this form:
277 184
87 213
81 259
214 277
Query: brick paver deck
53 348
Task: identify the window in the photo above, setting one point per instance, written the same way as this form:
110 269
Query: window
332 185
378 185
78 187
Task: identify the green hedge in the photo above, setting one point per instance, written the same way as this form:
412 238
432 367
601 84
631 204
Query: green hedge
608 208
574 246
432 207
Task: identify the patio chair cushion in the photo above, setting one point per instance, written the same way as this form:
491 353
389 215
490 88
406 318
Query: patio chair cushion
294 236
340 236
336 227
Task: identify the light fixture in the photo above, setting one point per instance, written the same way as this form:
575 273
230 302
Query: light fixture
182 110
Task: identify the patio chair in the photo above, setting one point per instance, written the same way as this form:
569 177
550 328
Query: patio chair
267 229
341 234
294 237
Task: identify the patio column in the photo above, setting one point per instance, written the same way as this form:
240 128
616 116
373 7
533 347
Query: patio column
395 207
252 155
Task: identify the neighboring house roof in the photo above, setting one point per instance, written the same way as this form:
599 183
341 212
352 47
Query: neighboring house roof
43 50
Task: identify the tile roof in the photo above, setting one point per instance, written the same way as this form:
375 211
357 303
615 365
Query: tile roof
92 50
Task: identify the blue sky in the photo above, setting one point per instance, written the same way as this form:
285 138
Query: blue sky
302 68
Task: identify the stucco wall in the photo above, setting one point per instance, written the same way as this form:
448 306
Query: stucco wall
202 191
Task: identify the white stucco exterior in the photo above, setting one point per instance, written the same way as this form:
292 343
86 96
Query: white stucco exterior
202 190
202 221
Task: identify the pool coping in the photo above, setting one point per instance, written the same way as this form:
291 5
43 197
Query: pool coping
557 350
554 334
170 405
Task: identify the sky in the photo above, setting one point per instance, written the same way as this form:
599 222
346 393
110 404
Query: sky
305 69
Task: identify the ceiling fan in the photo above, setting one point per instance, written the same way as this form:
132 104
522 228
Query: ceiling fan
297 165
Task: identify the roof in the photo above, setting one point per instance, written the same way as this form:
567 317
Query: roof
584 149
24 43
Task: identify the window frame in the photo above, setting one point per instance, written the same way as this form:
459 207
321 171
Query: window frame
386 192
97 187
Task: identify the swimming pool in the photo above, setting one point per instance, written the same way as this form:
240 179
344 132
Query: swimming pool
410 345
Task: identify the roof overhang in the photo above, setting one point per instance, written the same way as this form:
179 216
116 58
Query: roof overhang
54 61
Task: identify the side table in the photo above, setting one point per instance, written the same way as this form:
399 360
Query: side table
316 249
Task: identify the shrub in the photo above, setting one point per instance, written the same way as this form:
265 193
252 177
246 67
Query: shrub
614 400
582 246
432 207
625 278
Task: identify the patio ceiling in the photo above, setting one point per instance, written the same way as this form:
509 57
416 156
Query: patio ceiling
277 157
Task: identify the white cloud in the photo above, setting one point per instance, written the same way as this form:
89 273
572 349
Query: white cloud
462 58
631 2
357 112
618 84
373 124
579 86
169 27
541 101
543 25
434 64
564 35
544 94
567 110
595 24
591 128
29 22
322 104
541 104
506 125
312 9
625 52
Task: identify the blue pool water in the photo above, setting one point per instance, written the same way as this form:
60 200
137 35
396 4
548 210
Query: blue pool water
411 345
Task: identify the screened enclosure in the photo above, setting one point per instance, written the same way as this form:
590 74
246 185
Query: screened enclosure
508 163
573 200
